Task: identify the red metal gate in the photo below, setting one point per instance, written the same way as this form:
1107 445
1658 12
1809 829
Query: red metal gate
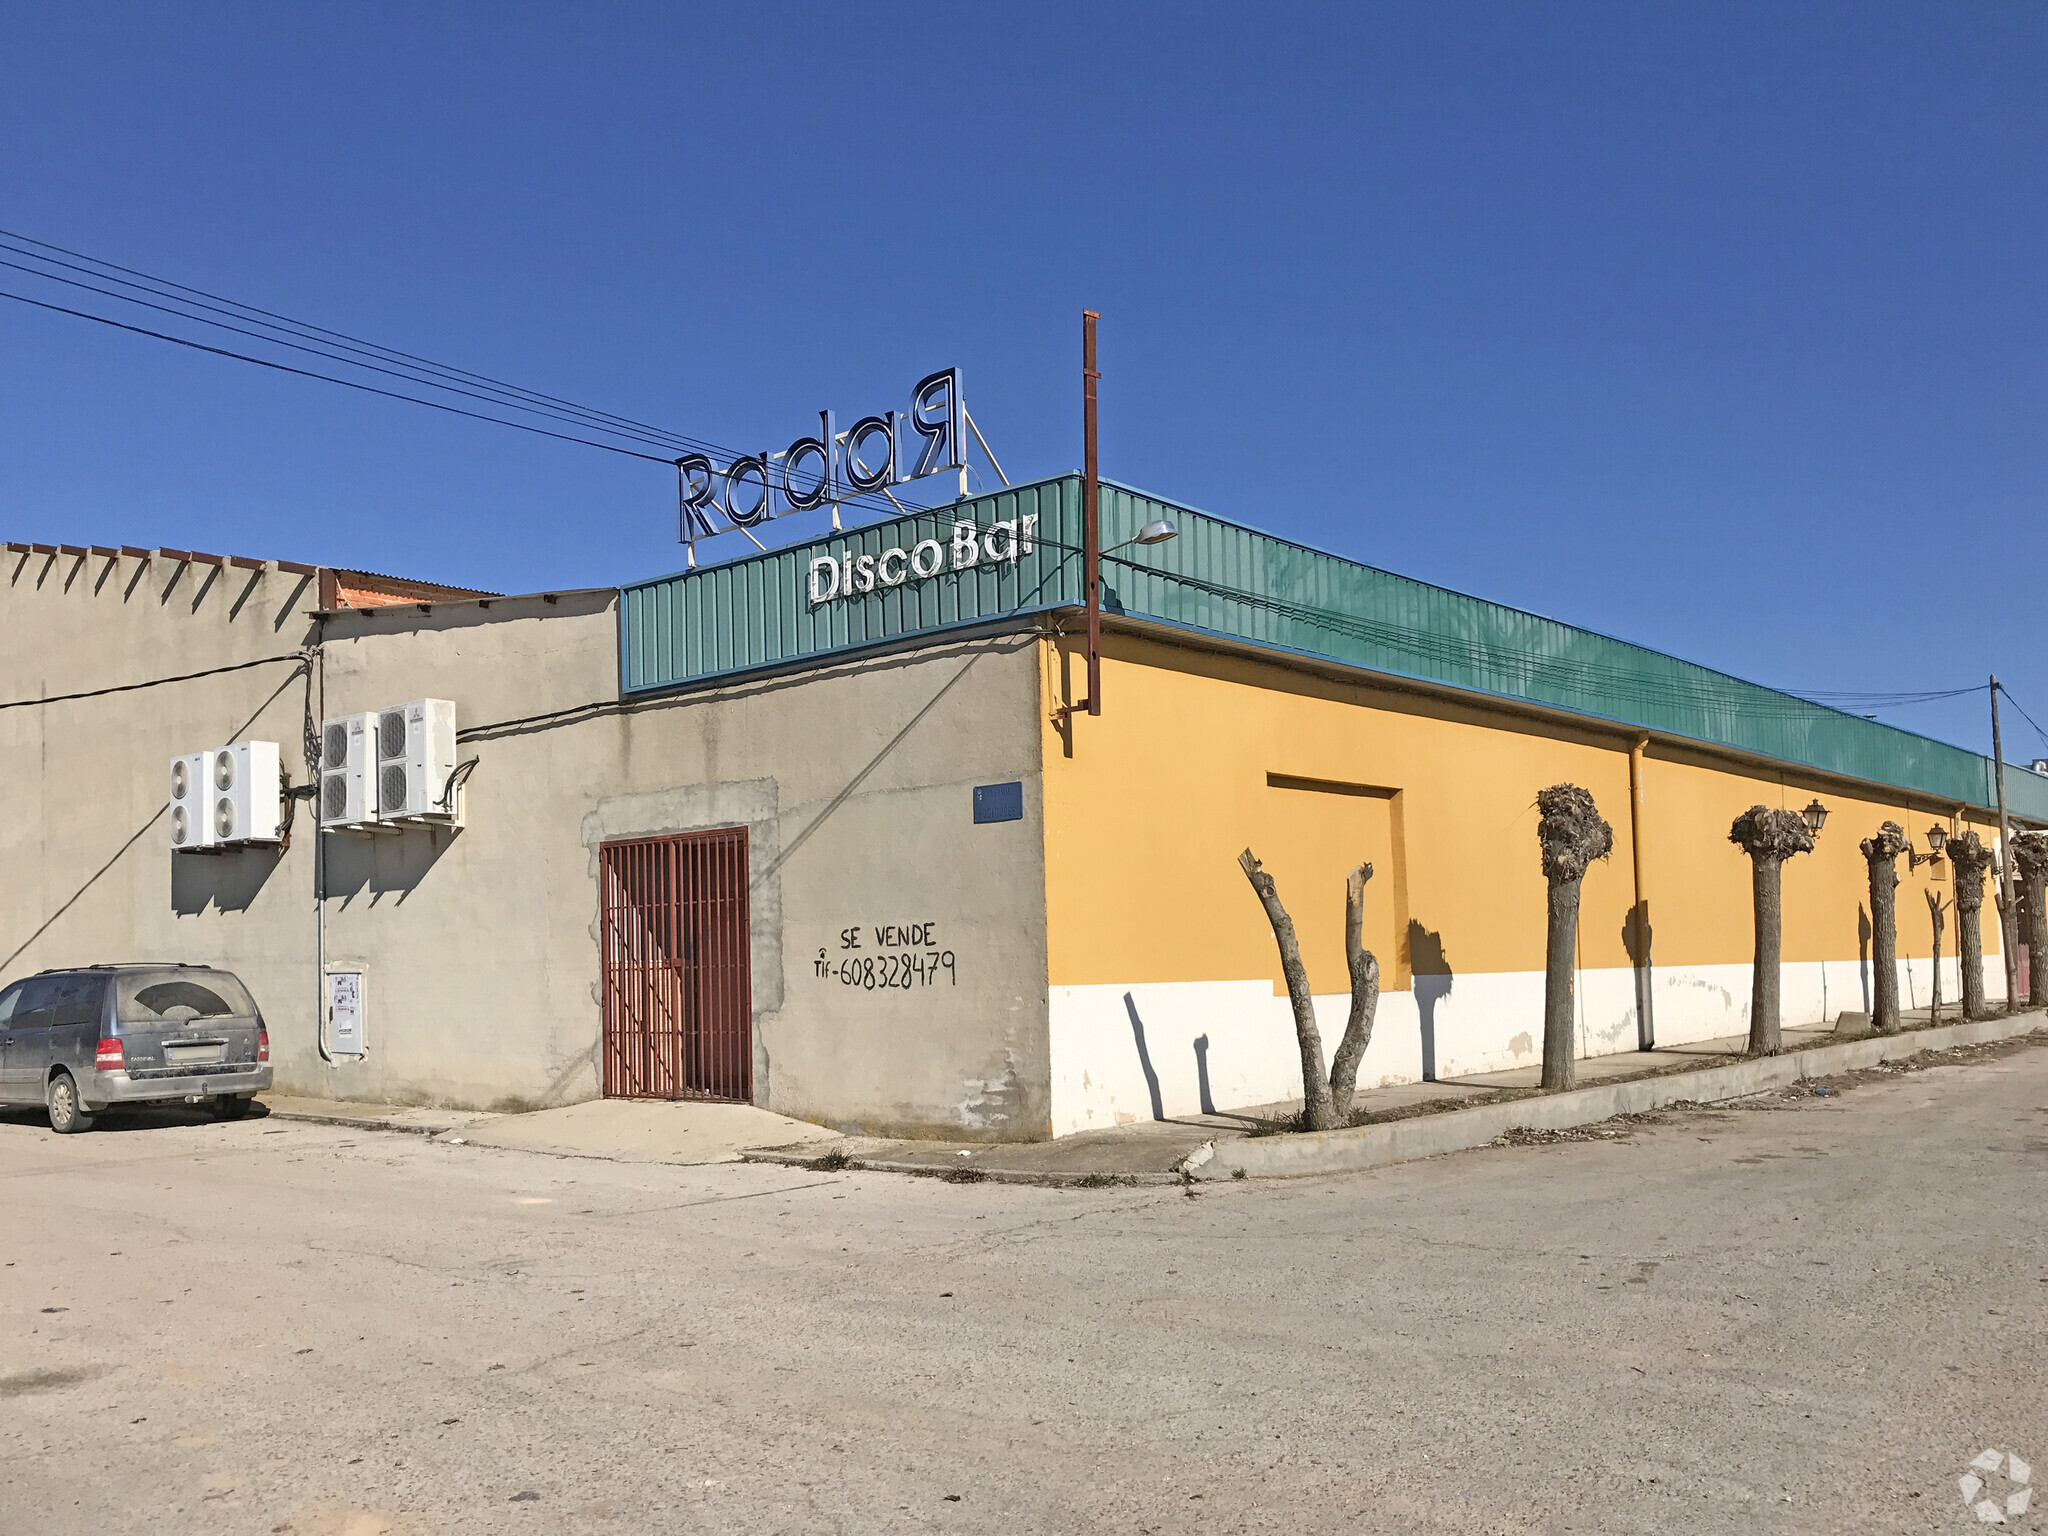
678 993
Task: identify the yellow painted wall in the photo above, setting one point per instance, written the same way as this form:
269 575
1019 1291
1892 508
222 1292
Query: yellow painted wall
1698 883
1147 806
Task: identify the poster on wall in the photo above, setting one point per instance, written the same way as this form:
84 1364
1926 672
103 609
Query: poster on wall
345 1013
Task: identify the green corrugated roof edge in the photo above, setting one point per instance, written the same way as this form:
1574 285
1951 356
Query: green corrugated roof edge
1223 578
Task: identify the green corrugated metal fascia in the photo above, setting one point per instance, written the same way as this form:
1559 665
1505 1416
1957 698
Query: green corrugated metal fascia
1238 582
1243 584
757 612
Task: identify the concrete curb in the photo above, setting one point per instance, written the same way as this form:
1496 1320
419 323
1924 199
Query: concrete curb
360 1123
1094 1179
1306 1154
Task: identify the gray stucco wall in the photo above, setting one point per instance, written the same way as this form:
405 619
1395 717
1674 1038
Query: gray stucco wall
86 872
481 946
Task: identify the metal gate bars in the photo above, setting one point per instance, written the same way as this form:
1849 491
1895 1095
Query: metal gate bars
678 995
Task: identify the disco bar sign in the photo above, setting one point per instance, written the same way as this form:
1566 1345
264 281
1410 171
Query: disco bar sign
873 454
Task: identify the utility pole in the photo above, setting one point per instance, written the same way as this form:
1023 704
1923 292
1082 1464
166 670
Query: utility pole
2007 918
1091 525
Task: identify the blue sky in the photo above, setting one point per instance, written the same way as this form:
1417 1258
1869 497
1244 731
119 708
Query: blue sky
1720 328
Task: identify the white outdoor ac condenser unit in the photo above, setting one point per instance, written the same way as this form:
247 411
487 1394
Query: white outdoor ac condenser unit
416 760
191 804
347 771
247 793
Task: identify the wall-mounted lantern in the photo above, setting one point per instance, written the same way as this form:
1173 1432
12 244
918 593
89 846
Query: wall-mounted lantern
1937 839
1815 816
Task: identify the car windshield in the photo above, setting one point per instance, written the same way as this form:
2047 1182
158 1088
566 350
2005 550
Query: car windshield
156 997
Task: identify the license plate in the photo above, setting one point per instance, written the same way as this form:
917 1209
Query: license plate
191 1055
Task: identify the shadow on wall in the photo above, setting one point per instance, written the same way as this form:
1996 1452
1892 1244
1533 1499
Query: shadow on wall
382 864
1431 971
1145 1059
228 880
1202 1074
1863 933
1637 935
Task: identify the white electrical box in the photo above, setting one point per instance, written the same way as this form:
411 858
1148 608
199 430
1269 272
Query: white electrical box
416 761
345 1013
191 803
247 793
347 772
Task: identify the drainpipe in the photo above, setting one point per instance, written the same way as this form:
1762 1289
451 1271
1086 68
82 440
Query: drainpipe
320 859
1646 1018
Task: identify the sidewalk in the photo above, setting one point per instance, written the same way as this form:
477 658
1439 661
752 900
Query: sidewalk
1392 1124
1415 1120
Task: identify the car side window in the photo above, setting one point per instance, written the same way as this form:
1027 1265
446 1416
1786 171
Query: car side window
37 994
79 1000
9 998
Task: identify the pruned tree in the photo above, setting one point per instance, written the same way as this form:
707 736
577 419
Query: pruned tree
1572 835
1934 912
1881 853
1325 1100
2030 860
1770 837
1970 859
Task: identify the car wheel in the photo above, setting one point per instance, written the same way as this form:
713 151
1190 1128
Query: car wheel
67 1115
231 1106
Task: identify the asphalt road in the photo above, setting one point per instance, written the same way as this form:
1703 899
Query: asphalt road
1801 1317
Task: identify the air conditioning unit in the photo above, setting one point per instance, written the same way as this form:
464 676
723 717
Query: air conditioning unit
415 760
348 782
247 792
191 804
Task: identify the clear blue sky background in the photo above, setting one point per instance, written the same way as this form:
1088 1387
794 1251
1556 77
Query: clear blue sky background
1720 328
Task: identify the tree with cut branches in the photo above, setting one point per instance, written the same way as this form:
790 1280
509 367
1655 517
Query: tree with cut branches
1881 853
1970 859
1572 835
1935 914
2030 860
1325 1100
1770 837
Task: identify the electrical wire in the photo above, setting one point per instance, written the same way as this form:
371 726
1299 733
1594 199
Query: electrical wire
2015 703
157 682
307 373
411 368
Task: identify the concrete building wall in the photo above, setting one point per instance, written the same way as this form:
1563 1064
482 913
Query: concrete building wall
480 946
86 871
1166 995
855 783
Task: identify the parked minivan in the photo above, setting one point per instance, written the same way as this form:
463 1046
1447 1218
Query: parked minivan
78 1042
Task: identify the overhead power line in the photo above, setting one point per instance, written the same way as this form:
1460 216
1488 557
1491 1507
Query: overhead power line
605 430
155 682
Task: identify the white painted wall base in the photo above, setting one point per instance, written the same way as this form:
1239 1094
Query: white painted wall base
1163 1049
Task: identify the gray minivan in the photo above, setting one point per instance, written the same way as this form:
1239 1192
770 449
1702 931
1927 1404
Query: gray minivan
78 1042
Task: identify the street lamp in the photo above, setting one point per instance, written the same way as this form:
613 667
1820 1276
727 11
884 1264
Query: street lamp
1937 839
1152 533
1815 816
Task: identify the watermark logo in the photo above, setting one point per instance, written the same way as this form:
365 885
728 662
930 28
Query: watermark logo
1997 1488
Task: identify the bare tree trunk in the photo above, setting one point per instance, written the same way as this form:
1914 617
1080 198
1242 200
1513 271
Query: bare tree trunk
2037 940
1970 947
1560 970
1969 859
1316 1113
1934 912
1764 1038
1884 938
1770 837
1571 833
1365 997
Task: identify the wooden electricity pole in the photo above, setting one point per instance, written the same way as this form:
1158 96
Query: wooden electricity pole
1091 524
2007 926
